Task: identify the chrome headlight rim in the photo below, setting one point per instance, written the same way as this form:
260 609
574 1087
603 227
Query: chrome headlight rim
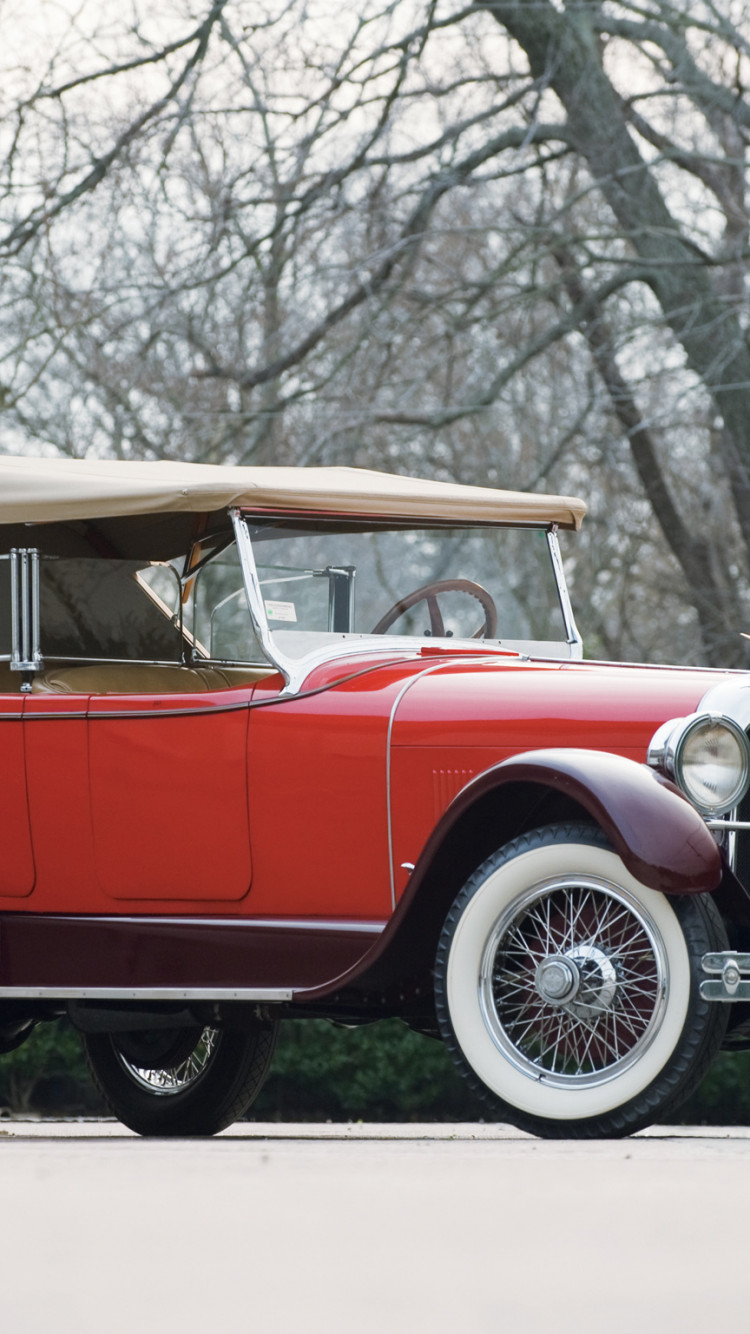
671 753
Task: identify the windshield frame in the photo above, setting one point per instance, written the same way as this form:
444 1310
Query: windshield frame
296 670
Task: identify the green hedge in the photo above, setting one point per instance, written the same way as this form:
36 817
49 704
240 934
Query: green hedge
47 1075
381 1072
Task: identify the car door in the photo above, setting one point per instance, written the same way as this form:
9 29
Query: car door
137 762
168 792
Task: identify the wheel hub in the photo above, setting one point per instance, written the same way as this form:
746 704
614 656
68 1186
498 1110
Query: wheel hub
583 980
557 979
598 986
572 981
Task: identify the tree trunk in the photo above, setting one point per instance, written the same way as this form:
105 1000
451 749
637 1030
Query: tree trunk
562 49
712 593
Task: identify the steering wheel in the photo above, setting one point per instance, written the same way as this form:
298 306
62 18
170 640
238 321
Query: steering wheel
429 593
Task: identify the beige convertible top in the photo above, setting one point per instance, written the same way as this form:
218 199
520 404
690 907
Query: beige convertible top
59 490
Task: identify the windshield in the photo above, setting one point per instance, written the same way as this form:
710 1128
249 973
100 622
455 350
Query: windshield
321 581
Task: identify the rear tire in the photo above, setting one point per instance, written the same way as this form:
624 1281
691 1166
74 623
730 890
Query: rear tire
195 1082
568 992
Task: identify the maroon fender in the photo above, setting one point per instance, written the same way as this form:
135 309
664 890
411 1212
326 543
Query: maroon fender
660 837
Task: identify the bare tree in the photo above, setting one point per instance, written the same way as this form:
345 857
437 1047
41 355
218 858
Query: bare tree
504 242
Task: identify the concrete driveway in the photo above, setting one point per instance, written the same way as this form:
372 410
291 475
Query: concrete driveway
371 1229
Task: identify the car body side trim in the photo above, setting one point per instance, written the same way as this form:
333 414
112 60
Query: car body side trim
267 995
255 923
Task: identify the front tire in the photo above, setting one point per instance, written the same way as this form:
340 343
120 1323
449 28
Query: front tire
188 1082
567 991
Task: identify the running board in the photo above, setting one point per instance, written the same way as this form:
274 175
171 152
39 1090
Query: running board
733 980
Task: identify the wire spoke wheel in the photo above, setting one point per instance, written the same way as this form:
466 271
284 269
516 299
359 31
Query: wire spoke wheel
573 980
568 991
188 1081
173 1078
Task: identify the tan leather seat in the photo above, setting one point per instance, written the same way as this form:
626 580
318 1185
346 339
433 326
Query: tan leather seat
137 678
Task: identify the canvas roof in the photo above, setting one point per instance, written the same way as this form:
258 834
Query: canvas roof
60 490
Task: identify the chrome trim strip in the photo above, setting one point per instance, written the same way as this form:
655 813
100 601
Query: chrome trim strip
717 962
206 710
56 717
24 574
715 989
262 994
574 638
196 711
728 826
35 626
666 667
255 599
15 612
271 923
66 661
436 667
23 664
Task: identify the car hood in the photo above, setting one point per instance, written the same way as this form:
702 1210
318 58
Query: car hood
518 705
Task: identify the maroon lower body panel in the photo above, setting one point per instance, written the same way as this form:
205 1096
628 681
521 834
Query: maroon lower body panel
47 951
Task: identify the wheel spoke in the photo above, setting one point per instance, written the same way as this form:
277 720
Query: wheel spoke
585 900
614 995
174 1079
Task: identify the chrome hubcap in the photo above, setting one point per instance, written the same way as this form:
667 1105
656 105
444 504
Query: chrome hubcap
584 980
557 979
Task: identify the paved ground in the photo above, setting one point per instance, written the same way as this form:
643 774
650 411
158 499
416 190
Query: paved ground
373 1230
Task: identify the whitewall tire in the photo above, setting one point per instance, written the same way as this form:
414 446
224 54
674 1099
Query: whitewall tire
568 991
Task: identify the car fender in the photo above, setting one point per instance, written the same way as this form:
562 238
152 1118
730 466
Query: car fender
660 837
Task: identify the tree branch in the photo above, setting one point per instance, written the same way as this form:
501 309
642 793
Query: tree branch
23 232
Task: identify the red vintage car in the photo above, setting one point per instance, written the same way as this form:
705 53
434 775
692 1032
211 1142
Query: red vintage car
321 742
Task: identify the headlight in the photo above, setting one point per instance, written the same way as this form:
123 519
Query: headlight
709 758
